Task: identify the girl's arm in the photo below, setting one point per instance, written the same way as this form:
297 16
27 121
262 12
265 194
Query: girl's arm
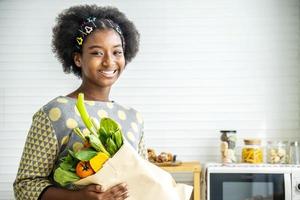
38 158
90 192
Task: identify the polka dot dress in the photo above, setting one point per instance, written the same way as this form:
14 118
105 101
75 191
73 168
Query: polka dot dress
65 117
51 135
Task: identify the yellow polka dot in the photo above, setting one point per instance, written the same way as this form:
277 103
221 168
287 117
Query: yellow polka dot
62 100
110 105
91 103
130 136
121 115
77 146
54 114
71 123
65 140
102 113
134 127
139 117
76 111
85 131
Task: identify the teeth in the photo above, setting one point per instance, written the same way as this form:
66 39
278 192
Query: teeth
108 72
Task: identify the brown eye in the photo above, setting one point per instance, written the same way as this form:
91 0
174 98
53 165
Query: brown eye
118 53
98 53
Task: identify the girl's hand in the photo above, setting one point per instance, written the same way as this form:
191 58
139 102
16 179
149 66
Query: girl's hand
95 192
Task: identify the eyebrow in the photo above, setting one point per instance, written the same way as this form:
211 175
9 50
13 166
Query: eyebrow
97 46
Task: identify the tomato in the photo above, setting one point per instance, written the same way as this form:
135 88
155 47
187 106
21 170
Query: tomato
84 169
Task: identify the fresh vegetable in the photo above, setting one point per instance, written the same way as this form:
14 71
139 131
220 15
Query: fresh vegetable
111 146
86 154
93 137
100 143
98 161
84 169
84 114
117 136
68 163
64 177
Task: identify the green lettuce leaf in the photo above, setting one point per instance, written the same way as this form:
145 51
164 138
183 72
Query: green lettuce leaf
64 177
86 154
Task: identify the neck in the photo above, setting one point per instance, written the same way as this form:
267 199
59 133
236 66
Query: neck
92 93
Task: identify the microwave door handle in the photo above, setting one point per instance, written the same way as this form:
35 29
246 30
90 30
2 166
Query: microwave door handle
287 186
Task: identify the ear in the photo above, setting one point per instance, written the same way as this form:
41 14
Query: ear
77 59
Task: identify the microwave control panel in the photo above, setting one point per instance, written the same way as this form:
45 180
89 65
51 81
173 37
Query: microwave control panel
296 183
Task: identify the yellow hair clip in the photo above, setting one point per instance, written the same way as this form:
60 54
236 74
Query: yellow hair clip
79 40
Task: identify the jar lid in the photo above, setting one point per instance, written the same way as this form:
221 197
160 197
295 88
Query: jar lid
278 143
228 131
252 141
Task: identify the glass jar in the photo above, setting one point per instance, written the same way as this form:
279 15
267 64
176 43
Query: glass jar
294 155
277 152
228 145
252 152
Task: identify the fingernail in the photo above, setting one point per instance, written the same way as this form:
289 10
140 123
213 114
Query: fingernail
98 187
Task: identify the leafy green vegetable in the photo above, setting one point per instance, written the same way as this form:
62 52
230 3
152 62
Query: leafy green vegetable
85 154
108 126
111 146
68 163
107 139
97 144
64 177
118 138
103 135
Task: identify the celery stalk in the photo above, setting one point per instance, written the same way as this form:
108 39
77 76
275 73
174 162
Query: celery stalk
80 134
93 137
94 122
84 114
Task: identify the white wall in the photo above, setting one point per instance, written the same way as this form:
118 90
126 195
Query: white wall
203 66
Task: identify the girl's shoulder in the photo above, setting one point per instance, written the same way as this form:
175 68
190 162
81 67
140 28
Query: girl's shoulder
127 110
59 105
65 107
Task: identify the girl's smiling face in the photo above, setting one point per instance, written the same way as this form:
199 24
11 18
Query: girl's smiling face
102 59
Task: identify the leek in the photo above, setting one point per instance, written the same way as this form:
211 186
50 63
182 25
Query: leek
84 114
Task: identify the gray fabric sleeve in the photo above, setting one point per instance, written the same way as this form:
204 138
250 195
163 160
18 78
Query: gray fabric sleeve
38 159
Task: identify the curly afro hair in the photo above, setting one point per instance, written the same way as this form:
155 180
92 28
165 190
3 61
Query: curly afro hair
69 21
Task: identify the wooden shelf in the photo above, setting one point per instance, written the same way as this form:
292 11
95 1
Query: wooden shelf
193 167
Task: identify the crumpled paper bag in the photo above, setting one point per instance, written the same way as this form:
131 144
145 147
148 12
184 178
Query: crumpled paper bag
145 180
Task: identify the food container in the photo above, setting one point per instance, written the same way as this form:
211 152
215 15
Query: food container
277 152
294 155
228 145
252 152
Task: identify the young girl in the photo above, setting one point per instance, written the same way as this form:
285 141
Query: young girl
94 43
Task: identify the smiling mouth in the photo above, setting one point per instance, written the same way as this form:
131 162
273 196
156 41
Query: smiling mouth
108 73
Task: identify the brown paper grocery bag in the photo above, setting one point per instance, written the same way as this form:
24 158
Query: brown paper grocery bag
145 180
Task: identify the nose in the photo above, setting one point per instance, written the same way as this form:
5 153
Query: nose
108 60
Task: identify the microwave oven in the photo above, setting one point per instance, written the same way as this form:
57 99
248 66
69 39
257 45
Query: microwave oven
252 182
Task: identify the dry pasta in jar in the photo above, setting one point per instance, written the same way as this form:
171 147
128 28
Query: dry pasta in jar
252 152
